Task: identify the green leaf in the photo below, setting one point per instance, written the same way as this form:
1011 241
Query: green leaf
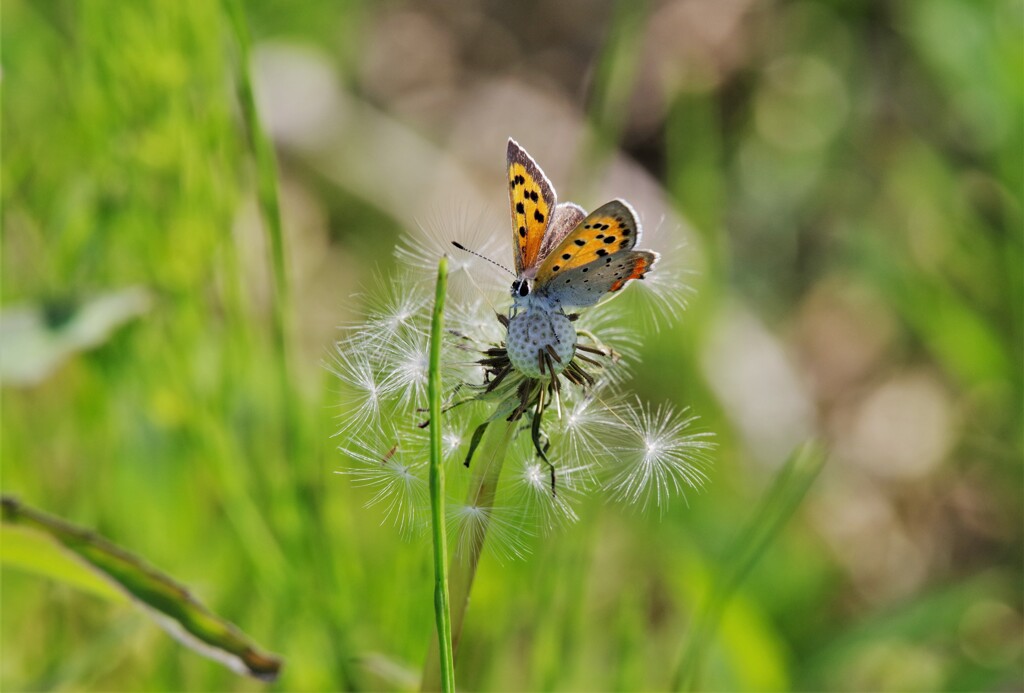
49 546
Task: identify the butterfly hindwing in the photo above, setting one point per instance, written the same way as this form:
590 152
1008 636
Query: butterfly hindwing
585 285
532 200
609 229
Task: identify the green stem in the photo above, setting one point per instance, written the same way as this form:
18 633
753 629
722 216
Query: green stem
778 505
442 613
483 485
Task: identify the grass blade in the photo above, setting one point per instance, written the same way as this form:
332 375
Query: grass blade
778 505
168 602
442 609
270 210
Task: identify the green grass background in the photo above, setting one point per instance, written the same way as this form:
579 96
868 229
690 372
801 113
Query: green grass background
189 438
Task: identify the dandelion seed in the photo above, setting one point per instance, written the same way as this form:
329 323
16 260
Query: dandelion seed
451 441
659 457
473 322
471 524
665 294
407 359
589 427
395 475
532 493
364 390
468 275
392 308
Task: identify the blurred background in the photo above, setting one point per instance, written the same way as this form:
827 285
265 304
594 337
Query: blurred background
847 177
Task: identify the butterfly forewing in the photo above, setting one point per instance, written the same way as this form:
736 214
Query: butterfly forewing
610 229
532 200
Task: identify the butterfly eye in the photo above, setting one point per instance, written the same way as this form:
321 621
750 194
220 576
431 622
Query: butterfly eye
521 287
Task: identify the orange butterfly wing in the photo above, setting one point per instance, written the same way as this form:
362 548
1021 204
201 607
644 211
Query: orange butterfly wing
609 229
532 201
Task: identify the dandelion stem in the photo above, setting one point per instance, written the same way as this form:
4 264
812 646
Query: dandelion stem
442 610
778 505
482 487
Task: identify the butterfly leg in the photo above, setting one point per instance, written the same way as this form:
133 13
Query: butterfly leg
554 331
446 406
498 378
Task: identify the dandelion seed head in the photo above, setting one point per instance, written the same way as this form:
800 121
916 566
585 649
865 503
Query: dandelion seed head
596 438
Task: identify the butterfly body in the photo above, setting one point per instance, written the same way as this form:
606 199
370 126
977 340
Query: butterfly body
563 257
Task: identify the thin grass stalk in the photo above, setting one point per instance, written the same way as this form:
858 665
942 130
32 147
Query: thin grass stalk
778 505
483 485
442 611
612 89
270 211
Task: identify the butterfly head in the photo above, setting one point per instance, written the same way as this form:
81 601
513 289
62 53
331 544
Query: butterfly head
521 288
529 293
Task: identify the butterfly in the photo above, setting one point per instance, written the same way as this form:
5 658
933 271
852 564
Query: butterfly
564 256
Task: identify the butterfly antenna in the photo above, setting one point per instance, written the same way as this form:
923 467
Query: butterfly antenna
482 257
